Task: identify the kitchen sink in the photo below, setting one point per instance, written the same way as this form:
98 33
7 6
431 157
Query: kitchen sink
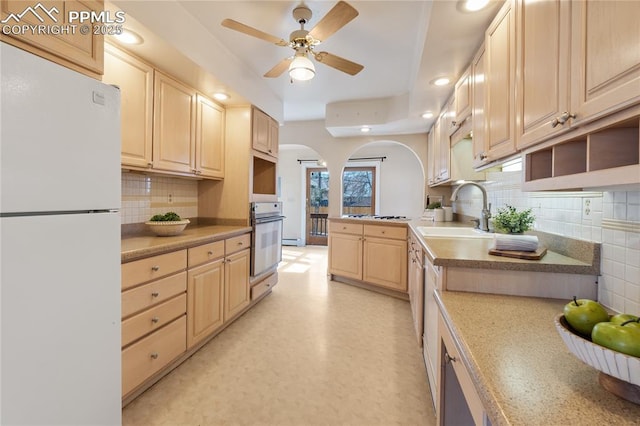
452 232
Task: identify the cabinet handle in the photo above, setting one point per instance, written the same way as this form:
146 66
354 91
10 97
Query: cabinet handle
268 285
483 156
149 164
383 232
155 320
154 355
155 294
210 253
562 119
454 123
155 268
449 358
239 243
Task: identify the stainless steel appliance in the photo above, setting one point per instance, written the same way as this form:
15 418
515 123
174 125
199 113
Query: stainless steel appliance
266 243
60 239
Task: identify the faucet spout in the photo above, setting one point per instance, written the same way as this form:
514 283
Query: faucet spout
486 207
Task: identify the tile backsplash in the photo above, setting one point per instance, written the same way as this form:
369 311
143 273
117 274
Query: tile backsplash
610 218
144 196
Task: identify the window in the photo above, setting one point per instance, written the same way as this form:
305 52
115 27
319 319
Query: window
358 191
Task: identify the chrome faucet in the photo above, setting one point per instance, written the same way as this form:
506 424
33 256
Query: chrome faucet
483 222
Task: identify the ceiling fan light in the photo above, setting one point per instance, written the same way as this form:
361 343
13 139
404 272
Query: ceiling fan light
301 68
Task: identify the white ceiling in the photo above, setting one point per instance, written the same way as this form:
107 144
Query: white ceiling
402 44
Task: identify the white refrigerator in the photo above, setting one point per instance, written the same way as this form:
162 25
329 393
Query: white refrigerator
60 245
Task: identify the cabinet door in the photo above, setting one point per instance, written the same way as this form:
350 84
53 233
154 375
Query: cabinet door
499 81
260 130
431 155
205 296
478 108
430 324
135 80
345 255
173 125
437 129
542 68
237 292
82 52
463 97
274 137
385 262
416 288
444 150
210 142
605 57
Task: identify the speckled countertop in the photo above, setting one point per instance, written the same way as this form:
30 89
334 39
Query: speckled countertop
138 246
564 255
524 373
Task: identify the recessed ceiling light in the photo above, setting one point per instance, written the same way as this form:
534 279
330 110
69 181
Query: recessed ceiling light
441 81
365 129
221 96
427 115
475 5
129 37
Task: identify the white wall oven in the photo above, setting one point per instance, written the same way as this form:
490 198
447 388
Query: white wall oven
266 247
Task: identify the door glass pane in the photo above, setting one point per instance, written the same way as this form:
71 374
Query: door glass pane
358 191
317 206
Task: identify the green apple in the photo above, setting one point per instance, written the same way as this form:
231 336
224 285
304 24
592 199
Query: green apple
624 338
620 318
583 314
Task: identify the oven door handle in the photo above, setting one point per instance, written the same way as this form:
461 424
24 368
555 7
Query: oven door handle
268 219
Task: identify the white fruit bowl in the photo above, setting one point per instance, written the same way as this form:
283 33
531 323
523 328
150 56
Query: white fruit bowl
168 228
607 361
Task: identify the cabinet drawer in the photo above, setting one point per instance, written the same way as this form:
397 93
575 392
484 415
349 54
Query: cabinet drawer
205 253
153 319
264 286
241 242
151 294
345 228
148 356
395 232
143 270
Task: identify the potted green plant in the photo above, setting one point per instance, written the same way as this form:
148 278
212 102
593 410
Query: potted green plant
168 224
510 221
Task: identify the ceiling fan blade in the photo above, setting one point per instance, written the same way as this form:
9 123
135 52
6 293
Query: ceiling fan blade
238 26
281 67
341 14
338 63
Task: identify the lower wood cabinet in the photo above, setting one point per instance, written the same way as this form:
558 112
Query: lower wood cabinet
416 284
205 291
374 254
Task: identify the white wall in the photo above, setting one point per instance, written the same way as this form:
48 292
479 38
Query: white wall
610 218
336 152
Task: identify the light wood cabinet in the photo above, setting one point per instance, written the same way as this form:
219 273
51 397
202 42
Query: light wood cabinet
478 108
72 49
237 291
605 58
173 125
542 66
416 284
431 156
433 280
135 80
462 95
374 254
209 156
205 301
499 85
265 132
444 151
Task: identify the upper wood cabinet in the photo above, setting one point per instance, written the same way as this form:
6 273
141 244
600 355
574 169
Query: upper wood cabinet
210 146
478 108
542 66
499 85
173 125
80 52
463 97
135 80
605 57
264 132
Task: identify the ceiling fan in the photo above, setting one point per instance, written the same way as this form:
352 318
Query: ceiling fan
303 42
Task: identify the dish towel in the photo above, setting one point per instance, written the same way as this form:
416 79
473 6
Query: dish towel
515 242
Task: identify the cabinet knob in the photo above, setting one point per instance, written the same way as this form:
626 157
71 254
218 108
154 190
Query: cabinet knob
155 320
449 358
239 243
155 294
483 156
155 268
383 232
562 119
154 355
149 165
210 253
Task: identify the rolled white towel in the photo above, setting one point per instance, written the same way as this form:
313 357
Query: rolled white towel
515 242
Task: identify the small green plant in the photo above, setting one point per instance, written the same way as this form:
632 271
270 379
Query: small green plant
435 205
511 221
167 217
